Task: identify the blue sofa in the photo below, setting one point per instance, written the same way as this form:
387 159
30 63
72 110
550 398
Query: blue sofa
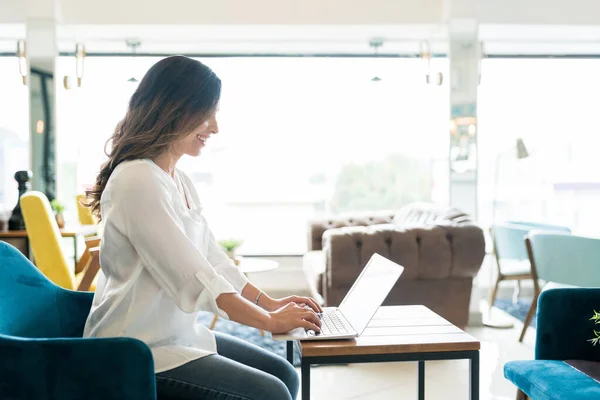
42 352
562 349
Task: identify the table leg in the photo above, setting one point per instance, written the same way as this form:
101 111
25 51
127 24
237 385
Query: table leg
305 369
74 252
474 361
421 377
290 351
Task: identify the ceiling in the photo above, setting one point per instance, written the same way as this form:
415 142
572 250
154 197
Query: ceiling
307 27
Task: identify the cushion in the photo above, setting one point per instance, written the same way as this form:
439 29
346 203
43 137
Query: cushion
550 379
420 214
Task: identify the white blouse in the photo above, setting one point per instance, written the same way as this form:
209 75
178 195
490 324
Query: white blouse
160 265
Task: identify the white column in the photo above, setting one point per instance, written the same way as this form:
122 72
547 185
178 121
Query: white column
464 58
41 56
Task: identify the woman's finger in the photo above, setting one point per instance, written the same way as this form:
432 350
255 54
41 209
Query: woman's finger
311 316
314 305
298 306
309 325
308 301
298 299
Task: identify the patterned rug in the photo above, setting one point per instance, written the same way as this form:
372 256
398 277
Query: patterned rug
250 335
518 310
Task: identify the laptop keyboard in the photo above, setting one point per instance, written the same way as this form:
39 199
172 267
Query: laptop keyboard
331 324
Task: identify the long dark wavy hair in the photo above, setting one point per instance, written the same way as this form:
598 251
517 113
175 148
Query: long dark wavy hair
175 96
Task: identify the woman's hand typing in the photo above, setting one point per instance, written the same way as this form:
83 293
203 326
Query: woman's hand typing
275 304
293 316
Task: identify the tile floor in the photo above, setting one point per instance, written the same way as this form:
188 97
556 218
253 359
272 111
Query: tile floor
446 380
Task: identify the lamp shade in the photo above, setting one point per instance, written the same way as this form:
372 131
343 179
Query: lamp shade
521 150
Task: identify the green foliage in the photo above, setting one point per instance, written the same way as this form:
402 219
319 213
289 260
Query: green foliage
230 244
388 184
57 206
596 319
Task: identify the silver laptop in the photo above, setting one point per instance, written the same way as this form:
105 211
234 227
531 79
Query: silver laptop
350 319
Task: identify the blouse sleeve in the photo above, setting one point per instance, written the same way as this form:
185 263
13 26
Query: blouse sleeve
156 232
224 265
216 256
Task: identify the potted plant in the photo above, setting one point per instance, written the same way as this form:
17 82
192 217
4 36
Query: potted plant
230 246
596 319
58 212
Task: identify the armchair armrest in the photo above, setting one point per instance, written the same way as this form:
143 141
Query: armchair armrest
82 368
564 327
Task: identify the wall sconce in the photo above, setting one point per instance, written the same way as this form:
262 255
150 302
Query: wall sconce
79 60
39 127
22 58
430 78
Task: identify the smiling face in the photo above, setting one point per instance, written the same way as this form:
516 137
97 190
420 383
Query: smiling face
193 143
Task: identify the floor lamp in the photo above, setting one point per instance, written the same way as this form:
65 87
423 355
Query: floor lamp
520 154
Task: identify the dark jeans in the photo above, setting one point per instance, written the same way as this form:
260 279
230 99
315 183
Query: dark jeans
241 371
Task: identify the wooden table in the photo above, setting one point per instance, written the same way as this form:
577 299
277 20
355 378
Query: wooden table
397 333
67 232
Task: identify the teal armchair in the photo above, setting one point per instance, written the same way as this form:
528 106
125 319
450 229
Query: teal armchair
512 259
42 352
564 259
567 364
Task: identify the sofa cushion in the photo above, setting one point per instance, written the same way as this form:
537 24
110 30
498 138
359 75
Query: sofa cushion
421 214
550 379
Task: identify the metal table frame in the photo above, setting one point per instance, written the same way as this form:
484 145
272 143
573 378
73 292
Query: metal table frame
420 357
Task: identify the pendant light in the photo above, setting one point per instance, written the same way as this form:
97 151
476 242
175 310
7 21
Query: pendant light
375 44
431 78
22 57
133 45
79 60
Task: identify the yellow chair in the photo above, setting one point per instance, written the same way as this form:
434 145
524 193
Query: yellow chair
84 212
85 218
44 238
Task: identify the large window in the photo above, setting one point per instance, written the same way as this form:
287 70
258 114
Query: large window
552 104
14 131
299 138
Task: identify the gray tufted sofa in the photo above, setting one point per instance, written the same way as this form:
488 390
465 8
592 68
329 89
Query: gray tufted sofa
440 247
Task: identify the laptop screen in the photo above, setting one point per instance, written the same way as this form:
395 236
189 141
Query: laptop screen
369 291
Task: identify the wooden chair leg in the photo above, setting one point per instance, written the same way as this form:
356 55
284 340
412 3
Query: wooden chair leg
83 261
529 317
91 270
495 291
521 395
90 243
516 292
214 322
